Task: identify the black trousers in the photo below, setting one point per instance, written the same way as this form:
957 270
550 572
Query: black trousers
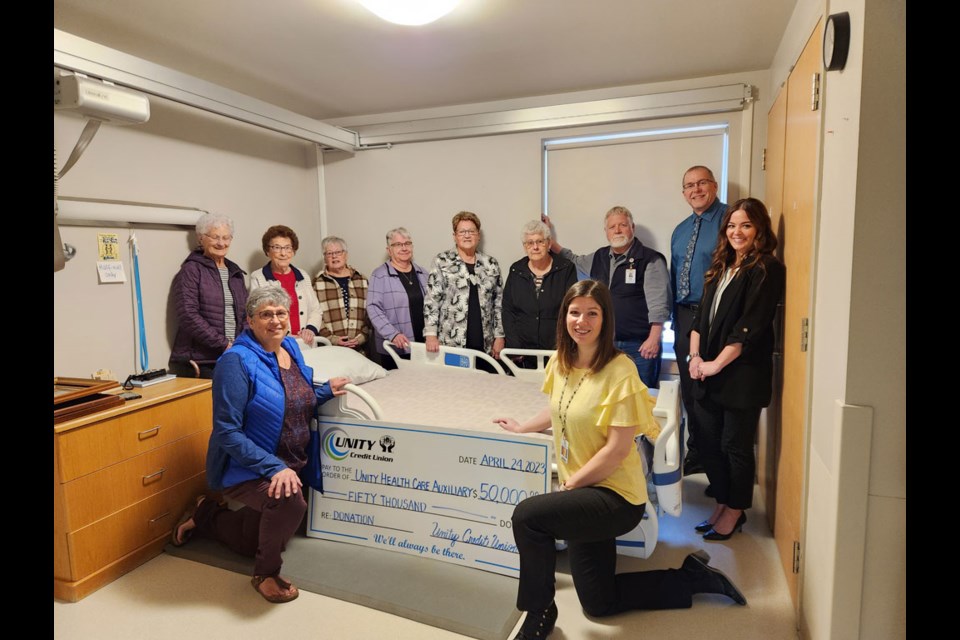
683 322
589 519
726 451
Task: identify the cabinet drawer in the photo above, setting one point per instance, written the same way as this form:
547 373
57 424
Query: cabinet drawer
97 495
106 540
101 444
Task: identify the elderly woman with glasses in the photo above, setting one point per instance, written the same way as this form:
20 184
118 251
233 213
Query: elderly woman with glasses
209 293
342 291
397 289
263 401
464 294
533 293
280 244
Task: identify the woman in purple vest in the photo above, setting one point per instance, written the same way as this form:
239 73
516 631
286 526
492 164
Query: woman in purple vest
263 401
209 294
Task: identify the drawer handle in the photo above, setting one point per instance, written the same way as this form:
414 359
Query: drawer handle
160 517
149 433
158 474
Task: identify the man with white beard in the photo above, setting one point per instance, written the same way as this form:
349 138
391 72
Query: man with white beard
640 285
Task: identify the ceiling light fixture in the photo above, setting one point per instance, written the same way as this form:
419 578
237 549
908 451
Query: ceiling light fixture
410 12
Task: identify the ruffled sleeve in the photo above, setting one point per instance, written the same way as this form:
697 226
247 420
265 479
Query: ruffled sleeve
626 402
549 372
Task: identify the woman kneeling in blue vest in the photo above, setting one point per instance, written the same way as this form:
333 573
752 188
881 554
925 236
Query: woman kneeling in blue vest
263 401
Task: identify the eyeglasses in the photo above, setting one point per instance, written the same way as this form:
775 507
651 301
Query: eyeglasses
334 254
698 183
466 233
266 316
534 243
281 249
401 245
223 239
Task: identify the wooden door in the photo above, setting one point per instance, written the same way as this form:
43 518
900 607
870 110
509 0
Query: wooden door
801 147
768 435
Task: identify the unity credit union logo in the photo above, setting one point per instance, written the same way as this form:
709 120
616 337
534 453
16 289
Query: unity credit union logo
387 443
331 439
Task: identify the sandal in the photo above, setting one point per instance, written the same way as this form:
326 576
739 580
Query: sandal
291 592
179 541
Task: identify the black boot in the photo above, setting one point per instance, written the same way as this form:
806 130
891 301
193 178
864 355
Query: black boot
538 624
706 579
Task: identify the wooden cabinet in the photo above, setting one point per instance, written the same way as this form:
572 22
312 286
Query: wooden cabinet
121 479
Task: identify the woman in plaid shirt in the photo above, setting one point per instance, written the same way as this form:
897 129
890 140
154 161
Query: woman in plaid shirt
342 291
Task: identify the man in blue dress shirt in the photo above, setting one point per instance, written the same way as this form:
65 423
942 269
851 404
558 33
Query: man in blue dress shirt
691 248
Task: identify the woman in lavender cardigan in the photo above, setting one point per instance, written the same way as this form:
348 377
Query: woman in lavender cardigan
395 297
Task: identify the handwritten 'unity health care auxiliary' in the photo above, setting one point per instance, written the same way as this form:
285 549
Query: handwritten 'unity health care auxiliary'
440 493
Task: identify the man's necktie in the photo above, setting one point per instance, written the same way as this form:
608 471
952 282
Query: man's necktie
683 287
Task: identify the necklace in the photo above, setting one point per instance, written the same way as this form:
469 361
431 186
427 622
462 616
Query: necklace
563 412
405 274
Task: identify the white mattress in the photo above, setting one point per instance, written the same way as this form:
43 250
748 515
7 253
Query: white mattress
457 399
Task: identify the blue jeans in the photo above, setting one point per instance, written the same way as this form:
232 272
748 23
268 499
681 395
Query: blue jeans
649 370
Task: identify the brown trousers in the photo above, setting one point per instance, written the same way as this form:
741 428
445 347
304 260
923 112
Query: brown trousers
260 529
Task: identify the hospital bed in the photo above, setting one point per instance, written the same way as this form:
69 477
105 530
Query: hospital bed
444 389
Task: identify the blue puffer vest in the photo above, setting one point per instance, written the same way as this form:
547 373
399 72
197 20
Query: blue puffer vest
263 414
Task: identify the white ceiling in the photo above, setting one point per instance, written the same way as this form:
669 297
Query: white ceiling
332 58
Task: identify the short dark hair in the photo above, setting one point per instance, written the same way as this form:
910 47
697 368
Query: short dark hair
566 347
279 231
694 168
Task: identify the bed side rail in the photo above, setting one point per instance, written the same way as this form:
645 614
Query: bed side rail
454 357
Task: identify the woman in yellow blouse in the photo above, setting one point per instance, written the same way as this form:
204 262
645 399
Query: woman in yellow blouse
598 405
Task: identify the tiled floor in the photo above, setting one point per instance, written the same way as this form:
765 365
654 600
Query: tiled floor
178 599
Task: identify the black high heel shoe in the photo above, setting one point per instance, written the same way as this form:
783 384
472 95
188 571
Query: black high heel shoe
704 526
714 535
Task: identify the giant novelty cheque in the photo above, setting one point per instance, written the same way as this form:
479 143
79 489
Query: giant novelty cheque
446 494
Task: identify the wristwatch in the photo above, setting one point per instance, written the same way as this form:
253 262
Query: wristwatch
691 356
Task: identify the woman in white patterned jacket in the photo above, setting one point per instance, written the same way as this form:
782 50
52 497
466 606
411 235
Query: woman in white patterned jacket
464 294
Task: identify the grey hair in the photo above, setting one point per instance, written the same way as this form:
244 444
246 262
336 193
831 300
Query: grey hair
329 240
398 231
618 211
209 221
534 227
271 294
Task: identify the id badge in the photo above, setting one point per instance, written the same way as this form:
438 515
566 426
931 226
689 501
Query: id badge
631 276
564 449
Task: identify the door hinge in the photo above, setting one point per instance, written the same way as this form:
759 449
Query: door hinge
804 334
796 556
815 91
763 160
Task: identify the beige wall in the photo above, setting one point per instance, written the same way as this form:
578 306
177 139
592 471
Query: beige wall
422 185
180 157
854 567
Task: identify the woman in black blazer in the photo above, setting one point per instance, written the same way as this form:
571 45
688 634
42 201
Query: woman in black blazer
731 358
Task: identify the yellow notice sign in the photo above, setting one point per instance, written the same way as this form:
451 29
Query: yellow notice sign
108 246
